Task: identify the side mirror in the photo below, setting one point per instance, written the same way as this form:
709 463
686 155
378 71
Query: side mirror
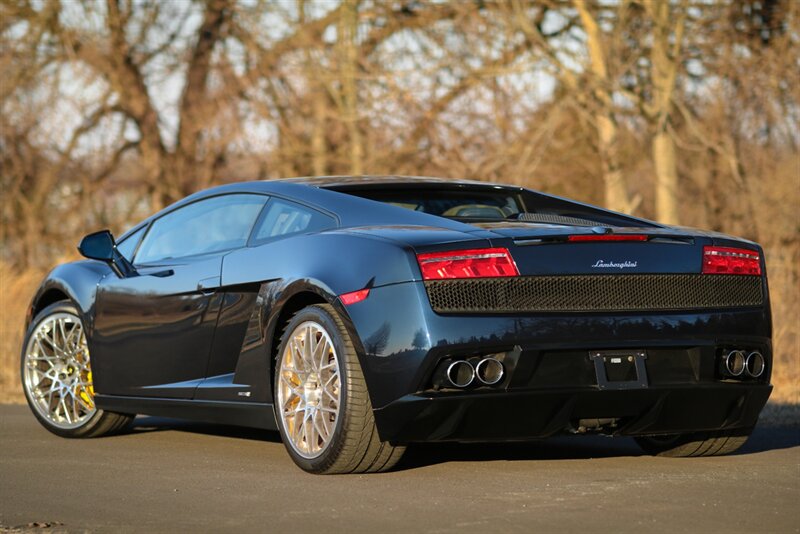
101 246
98 246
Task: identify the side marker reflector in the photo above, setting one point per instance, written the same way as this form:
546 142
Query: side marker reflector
354 296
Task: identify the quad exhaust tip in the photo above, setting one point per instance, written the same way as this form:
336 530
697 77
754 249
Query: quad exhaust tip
755 364
489 371
739 363
460 373
735 362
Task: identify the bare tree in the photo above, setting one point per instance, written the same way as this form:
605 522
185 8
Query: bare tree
592 84
657 34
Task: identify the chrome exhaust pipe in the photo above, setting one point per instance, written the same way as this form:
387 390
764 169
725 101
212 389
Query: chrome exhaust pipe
489 371
735 362
755 364
460 373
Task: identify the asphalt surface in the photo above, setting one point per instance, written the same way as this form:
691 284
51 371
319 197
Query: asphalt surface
167 475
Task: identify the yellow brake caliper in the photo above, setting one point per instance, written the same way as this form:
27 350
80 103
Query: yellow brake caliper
87 392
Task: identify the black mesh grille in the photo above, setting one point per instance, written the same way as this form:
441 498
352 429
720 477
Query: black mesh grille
594 293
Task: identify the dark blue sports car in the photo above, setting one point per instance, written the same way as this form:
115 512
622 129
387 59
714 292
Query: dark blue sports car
356 315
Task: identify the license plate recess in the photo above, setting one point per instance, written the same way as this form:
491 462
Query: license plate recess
620 369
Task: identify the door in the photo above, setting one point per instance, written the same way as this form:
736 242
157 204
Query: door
153 331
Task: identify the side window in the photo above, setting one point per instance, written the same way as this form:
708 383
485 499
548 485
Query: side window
211 225
127 246
283 218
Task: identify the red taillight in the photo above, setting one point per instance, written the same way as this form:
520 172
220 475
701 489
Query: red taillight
472 263
354 296
608 237
725 260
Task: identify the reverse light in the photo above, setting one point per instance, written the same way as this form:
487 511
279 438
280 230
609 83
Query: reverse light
472 263
354 296
608 237
726 260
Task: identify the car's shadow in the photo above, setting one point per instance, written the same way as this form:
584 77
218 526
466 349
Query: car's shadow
573 448
556 448
766 437
144 424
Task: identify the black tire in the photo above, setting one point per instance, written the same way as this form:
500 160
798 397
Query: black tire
354 445
101 422
717 443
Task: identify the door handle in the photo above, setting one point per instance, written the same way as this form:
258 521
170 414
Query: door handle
208 285
162 274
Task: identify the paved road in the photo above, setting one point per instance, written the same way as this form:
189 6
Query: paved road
173 476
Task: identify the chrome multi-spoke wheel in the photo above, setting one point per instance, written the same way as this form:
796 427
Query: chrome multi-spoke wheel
309 389
322 404
56 371
57 376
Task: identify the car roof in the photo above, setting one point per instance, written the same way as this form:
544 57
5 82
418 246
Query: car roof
304 187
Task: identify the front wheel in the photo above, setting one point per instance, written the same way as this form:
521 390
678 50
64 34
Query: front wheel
321 401
57 376
716 443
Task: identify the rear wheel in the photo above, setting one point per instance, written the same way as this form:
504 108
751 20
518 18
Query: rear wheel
57 376
321 401
715 443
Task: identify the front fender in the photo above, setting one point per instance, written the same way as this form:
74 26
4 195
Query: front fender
77 281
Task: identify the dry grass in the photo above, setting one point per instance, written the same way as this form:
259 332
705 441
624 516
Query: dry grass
785 295
778 195
17 288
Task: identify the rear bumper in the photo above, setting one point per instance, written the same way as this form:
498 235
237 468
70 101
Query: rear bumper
552 382
400 341
523 415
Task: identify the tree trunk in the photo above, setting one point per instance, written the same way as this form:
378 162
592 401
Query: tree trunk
664 61
134 100
666 178
188 170
348 29
614 185
318 138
